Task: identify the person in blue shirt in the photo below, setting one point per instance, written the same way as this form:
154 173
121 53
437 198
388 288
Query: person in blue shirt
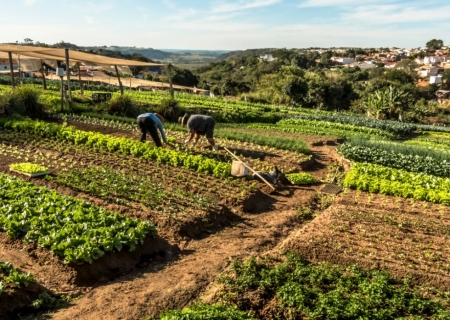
148 122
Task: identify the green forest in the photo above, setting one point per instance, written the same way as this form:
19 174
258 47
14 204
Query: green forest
312 80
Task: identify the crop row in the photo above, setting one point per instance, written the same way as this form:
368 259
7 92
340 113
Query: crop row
206 102
118 186
196 194
410 162
432 142
389 181
334 125
283 143
250 152
394 127
439 153
122 145
60 156
312 130
72 229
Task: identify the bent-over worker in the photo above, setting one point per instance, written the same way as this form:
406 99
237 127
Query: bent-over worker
199 125
148 122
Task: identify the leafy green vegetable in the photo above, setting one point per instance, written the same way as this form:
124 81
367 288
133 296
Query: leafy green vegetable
301 178
28 167
202 311
119 186
390 181
395 127
314 290
125 146
73 229
12 276
301 121
412 161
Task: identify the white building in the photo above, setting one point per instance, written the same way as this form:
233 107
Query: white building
425 72
345 60
4 65
267 57
436 79
432 60
366 65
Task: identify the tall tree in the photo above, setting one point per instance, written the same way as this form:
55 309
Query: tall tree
435 44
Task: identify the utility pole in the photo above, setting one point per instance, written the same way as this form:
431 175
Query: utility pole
44 82
11 69
170 79
79 79
68 76
120 82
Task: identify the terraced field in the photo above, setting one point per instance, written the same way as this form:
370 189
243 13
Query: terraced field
123 230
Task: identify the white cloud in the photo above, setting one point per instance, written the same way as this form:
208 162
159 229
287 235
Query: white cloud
397 14
100 6
333 3
242 5
169 3
29 2
90 20
181 15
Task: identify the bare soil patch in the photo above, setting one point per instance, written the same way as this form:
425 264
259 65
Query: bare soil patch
406 237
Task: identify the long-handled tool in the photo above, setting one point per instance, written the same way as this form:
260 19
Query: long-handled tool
249 168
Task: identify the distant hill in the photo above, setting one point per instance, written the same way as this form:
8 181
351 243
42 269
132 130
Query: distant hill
186 57
149 53
244 53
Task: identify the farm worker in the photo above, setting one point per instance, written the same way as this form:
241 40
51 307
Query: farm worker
148 122
199 125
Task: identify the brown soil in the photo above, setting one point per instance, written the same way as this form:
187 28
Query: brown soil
185 257
403 236
15 300
156 288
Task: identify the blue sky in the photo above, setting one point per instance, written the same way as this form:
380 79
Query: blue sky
228 25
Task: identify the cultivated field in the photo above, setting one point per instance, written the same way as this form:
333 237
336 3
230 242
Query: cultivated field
122 230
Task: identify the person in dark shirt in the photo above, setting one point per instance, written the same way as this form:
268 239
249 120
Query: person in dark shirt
148 123
199 125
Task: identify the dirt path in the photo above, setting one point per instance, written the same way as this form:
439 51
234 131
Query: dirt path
177 283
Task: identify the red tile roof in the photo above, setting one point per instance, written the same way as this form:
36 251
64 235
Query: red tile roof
6 61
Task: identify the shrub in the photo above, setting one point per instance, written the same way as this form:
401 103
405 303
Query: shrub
29 98
123 106
169 109
10 104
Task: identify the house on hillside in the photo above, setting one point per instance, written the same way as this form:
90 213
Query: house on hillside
267 57
432 60
436 79
428 71
4 65
389 64
366 65
345 60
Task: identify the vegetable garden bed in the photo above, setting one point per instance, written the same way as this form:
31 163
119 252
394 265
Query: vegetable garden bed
190 221
404 236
